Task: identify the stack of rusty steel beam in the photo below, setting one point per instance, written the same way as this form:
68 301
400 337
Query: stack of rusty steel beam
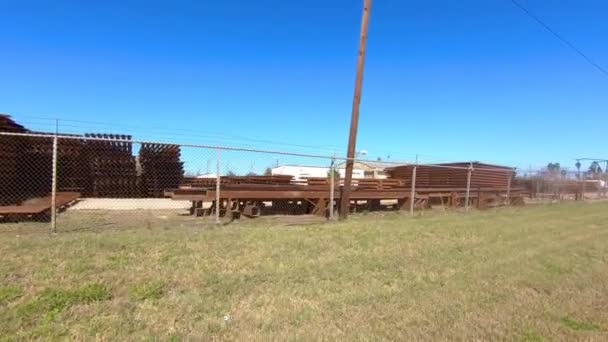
35 166
211 182
454 175
161 168
73 172
72 160
37 208
363 183
25 166
313 197
112 165
10 148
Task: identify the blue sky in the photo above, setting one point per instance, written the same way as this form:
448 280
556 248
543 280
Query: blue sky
448 80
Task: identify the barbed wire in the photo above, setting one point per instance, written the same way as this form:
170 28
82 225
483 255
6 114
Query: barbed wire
253 150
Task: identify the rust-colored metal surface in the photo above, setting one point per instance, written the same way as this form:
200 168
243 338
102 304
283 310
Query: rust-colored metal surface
94 168
454 175
161 168
39 205
9 148
313 196
106 167
209 182
112 165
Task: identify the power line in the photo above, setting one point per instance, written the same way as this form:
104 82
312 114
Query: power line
79 126
560 37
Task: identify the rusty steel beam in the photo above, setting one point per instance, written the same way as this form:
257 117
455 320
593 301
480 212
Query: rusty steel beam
363 194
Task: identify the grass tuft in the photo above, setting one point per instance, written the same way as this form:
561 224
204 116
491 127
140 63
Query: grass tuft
531 336
579 325
8 293
52 302
92 293
153 290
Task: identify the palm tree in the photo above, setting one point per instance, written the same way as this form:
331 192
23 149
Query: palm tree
595 169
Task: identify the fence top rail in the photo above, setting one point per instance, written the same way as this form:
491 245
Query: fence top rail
243 149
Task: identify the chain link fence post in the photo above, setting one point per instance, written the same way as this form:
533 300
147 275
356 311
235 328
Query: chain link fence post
331 188
54 188
468 192
537 195
413 193
509 188
584 187
217 187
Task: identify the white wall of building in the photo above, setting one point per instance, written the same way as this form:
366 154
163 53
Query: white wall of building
300 173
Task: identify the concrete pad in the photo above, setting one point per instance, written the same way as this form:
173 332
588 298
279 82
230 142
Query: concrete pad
130 204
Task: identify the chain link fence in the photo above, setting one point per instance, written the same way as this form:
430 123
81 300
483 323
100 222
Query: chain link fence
554 185
100 181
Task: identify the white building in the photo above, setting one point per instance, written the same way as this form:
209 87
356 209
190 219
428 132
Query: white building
373 169
300 173
207 175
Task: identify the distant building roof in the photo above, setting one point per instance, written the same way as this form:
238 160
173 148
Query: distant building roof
476 164
378 165
308 166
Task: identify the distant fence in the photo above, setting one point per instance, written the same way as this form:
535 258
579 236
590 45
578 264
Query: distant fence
564 185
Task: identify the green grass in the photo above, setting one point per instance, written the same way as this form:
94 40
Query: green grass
148 290
531 336
9 293
579 325
523 274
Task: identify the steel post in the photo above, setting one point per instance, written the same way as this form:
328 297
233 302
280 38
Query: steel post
584 187
509 189
468 193
413 193
331 189
217 188
54 188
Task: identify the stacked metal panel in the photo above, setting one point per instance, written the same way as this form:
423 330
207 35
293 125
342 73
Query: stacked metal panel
210 182
9 152
72 165
35 166
454 175
161 168
112 166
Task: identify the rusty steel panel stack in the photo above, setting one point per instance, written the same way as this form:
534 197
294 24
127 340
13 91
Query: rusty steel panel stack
362 183
112 166
72 165
454 175
35 166
210 182
161 168
10 147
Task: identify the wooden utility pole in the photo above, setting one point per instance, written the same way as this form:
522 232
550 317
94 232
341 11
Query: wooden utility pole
354 119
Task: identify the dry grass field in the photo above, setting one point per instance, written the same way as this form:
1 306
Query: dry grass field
523 274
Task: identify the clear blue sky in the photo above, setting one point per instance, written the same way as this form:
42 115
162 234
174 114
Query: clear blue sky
449 80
